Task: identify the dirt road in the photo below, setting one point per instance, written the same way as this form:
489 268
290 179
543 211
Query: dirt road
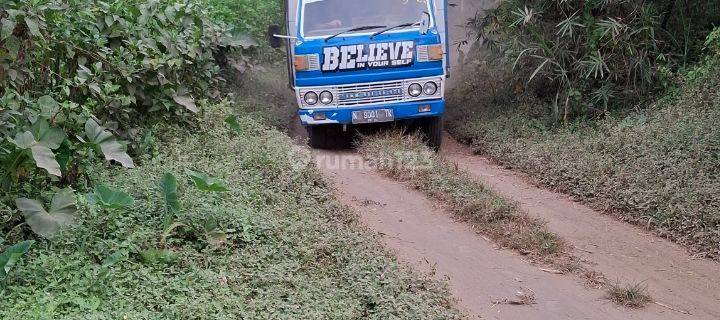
618 250
481 276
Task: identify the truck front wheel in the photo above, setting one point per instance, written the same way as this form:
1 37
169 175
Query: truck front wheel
328 137
432 129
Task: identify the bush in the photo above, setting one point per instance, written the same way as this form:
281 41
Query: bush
274 246
597 55
68 67
250 16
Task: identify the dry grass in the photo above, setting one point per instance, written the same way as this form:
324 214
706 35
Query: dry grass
633 295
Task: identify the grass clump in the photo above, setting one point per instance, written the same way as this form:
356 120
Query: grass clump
407 159
275 246
656 167
631 295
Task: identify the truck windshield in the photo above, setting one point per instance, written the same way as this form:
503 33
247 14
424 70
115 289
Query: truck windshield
327 17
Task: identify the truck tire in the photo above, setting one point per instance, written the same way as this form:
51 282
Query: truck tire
432 130
328 137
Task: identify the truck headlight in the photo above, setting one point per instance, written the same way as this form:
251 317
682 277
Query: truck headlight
311 98
430 88
415 90
326 97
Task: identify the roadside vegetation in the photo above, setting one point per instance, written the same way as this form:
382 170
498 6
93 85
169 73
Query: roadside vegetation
587 106
132 189
227 221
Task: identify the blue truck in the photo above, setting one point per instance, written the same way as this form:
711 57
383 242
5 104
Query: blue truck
353 63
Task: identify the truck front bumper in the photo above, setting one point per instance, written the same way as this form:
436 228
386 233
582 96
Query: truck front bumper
343 115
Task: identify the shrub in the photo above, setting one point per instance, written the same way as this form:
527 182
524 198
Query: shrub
597 55
68 67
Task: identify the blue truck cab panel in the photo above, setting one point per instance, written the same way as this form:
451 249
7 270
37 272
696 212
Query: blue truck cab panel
356 62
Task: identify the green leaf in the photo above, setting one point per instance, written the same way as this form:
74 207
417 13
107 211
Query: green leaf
232 122
168 186
46 135
110 147
34 26
46 223
186 102
12 255
24 140
48 106
158 256
43 156
8 26
243 40
12 44
109 198
113 259
205 183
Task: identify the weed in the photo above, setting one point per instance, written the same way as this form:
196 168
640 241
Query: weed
630 295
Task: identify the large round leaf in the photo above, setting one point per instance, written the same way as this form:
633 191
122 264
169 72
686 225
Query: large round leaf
110 147
47 223
109 198
206 183
41 153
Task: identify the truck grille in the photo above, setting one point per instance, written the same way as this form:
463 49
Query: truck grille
351 95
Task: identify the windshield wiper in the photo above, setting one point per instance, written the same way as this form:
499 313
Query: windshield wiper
402 25
363 28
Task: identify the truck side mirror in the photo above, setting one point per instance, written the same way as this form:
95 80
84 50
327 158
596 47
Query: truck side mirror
425 24
274 41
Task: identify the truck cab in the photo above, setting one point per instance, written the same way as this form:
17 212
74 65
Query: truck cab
353 63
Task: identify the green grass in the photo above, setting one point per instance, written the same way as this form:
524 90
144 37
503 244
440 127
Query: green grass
290 250
656 167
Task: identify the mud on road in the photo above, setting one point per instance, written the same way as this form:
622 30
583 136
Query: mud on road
484 277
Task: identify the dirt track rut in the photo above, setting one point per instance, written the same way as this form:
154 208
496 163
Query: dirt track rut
424 235
618 250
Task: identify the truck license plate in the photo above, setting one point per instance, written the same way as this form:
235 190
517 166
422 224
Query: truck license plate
373 116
